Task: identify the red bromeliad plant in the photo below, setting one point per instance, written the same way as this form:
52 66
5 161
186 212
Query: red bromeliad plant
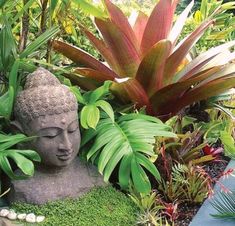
147 63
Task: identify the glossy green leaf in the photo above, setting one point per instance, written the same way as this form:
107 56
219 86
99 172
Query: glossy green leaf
77 94
90 8
99 92
38 42
23 163
140 178
106 107
125 171
6 103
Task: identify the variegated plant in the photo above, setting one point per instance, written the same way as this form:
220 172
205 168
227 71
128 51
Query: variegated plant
148 64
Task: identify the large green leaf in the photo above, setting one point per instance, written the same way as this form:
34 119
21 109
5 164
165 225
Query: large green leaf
127 144
22 158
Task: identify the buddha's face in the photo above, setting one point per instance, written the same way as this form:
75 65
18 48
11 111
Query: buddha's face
58 138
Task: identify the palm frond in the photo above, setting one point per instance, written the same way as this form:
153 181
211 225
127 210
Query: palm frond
224 203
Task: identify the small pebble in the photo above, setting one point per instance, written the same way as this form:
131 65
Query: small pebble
12 215
40 219
30 218
21 216
4 212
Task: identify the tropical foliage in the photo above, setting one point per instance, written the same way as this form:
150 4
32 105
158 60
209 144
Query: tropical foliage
224 203
92 102
147 63
22 158
126 143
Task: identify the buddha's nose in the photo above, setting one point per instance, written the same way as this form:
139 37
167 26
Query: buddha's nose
65 144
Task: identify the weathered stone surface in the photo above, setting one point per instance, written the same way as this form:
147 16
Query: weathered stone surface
40 219
48 110
73 181
30 218
5 222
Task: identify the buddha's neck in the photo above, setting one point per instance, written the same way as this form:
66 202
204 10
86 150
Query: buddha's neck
51 170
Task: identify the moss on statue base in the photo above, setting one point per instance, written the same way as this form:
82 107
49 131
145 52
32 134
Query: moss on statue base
100 207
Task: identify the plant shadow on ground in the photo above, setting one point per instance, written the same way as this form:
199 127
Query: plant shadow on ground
100 207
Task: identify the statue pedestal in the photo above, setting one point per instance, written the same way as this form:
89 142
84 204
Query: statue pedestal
70 182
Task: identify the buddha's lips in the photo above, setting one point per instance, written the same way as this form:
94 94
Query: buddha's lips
64 157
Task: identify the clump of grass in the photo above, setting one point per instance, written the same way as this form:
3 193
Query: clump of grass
100 207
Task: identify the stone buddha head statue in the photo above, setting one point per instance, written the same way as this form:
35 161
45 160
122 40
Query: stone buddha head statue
48 110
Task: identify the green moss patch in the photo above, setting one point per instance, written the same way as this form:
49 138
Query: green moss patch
100 207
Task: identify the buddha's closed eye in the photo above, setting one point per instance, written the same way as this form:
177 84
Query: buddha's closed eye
50 132
73 126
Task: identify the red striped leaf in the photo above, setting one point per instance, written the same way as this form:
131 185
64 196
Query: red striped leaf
202 60
120 20
159 23
135 92
140 25
93 74
179 24
101 47
169 95
150 71
122 49
182 50
80 57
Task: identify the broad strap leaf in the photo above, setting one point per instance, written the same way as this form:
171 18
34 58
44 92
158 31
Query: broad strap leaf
123 50
169 95
210 89
118 18
179 24
135 91
182 50
199 62
150 71
159 24
139 26
81 58
101 47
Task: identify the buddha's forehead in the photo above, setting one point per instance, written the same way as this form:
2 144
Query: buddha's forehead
56 120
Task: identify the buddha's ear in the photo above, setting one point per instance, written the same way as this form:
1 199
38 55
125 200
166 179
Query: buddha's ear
16 127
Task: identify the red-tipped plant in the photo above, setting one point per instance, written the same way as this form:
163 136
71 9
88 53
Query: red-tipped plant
146 62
